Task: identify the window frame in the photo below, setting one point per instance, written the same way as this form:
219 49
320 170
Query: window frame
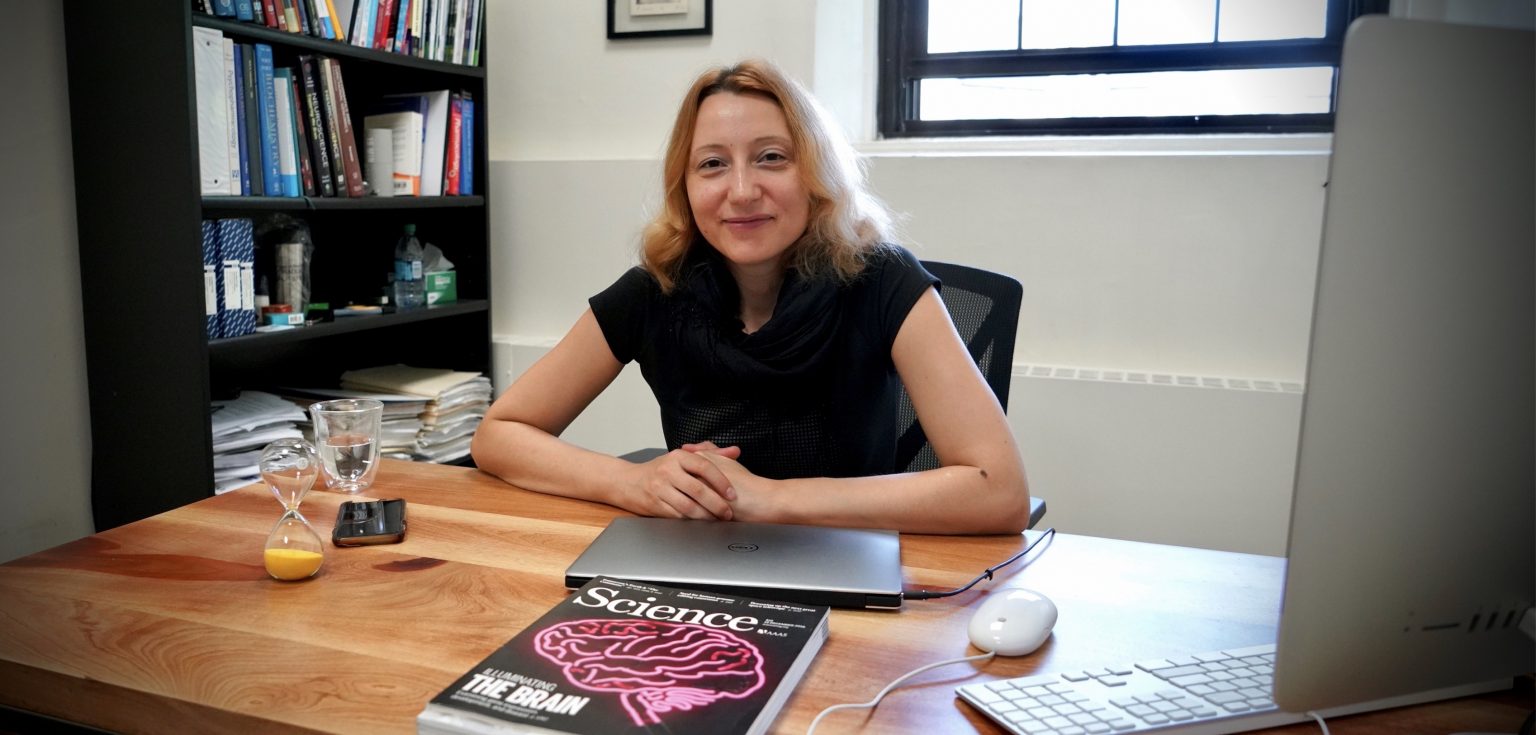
905 62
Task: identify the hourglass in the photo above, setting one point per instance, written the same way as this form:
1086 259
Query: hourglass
293 551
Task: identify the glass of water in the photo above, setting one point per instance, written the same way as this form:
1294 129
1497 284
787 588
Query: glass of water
347 437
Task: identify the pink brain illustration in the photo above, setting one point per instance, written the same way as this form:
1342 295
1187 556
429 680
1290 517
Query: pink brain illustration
655 667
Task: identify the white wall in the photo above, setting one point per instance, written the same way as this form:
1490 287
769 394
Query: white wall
45 439
561 91
1176 263
1502 13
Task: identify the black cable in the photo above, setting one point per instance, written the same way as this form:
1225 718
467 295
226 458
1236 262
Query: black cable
930 594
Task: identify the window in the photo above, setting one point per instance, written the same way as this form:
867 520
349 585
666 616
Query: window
1018 67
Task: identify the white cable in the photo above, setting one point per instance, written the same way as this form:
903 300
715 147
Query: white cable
888 687
1320 722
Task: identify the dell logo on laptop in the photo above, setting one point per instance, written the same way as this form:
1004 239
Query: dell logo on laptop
743 548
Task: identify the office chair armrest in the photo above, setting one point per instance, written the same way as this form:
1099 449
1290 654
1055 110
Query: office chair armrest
1036 509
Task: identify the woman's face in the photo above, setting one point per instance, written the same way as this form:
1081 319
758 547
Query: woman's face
743 180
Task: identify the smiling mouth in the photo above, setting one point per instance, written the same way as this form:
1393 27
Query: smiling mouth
747 222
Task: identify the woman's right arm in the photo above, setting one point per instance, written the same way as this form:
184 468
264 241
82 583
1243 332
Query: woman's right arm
518 440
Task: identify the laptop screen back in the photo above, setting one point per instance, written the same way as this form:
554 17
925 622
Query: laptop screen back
840 567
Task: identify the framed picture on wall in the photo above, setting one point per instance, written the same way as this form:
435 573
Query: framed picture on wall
650 18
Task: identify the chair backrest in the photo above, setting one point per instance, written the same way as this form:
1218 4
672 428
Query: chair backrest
985 308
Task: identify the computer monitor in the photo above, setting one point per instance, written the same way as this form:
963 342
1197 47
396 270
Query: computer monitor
1411 553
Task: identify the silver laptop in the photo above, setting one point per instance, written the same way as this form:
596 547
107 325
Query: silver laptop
840 567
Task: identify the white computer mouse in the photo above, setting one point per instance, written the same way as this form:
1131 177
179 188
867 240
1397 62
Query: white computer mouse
1013 622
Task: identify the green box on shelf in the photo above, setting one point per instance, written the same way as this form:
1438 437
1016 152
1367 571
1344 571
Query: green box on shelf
442 287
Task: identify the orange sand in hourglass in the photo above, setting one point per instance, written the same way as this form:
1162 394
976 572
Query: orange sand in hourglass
291 564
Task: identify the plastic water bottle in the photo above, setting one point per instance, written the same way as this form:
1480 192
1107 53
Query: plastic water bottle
410 282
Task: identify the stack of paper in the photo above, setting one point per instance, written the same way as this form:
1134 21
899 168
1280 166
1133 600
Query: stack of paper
448 424
397 429
455 403
242 428
397 436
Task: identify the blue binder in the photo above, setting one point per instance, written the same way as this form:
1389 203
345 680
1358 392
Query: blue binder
245 237
213 280
237 246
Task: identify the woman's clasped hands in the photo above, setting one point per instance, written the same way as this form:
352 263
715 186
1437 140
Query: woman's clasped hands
700 481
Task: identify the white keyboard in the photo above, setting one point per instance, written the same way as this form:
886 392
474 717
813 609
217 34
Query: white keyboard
1204 694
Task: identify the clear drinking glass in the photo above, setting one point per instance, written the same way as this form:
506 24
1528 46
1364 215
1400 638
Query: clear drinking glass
347 437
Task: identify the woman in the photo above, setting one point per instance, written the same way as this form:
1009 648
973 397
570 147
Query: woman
772 321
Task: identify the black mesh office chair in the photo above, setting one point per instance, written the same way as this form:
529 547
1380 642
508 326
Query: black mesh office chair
985 309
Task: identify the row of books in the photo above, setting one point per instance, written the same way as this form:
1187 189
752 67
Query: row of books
439 30
229 272
422 144
316 18
266 130
271 131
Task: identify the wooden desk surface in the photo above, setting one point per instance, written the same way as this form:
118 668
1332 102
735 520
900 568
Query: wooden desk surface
171 623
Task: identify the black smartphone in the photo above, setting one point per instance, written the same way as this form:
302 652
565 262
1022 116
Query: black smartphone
364 522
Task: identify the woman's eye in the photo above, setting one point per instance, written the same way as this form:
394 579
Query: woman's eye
773 157
710 163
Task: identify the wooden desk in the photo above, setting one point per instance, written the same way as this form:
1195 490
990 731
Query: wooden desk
171 623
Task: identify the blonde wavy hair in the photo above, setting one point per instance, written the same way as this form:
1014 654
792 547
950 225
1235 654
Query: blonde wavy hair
846 221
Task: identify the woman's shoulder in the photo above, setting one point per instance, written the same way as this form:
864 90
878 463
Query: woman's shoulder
636 281
892 281
889 262
891 255
634 286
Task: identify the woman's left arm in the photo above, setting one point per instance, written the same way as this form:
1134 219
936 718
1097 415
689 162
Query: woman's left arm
981 487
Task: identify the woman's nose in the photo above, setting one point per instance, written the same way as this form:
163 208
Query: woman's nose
744 186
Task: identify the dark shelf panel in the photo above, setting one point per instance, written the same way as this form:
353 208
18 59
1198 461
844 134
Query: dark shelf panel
347 324
285 204
339 49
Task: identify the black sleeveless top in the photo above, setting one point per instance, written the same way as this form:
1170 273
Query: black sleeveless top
811 394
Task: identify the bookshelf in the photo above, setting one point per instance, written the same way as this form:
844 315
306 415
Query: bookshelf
151 369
